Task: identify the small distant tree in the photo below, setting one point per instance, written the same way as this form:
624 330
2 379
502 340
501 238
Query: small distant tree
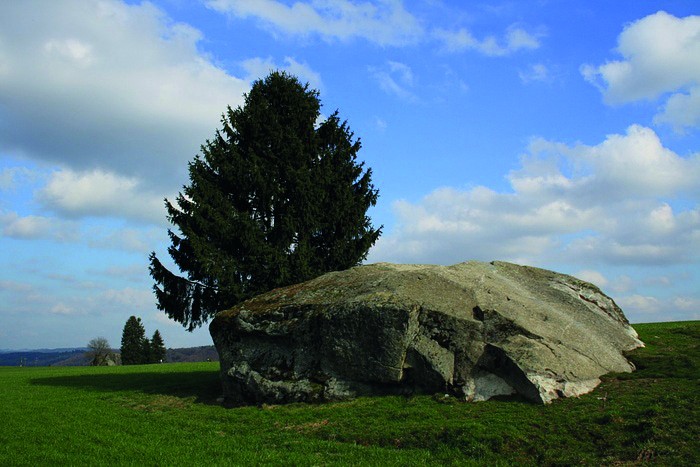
134 343
157 348
99 352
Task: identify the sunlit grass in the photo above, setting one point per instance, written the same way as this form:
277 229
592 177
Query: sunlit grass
168 415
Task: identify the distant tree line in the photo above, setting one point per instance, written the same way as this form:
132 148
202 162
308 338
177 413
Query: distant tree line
136 348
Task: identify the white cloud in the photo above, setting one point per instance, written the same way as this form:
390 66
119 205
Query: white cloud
70 49
161 318
633 165
33 227
63 309
622 284
257 68
640 304
660 55
101 194
16 287
515 39
126 239
107 85
395 78
126 298
13 177
25 227
537 72
681 110
605 204
687 303
131 273
385 22
594 277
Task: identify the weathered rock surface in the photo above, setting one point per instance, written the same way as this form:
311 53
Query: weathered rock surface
474 330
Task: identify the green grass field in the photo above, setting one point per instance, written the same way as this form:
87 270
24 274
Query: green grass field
168 415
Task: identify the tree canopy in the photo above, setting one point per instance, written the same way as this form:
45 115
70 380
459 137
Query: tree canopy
157 351
99 351
275 198
136 348
134 343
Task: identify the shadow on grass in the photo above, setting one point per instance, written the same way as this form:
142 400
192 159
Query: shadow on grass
203 386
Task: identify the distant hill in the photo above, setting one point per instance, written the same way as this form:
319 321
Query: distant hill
205 353
43 357
77 357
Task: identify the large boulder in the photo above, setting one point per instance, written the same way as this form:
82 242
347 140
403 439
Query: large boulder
474 330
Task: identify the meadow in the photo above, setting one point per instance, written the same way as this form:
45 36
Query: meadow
168 415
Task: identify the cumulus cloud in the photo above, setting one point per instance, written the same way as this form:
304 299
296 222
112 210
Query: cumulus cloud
514 39
26 227
385 22
107 85
125 239
594 277
681 110
660 58
101 194
611 203
635 164
31 227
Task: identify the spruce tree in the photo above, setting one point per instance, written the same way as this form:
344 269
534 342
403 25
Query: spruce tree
157 348
146 351
133 342
274 199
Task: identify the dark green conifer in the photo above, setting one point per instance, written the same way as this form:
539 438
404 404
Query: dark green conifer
146 351
157 348
134 349
274 199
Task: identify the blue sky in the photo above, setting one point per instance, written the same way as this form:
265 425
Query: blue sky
558 134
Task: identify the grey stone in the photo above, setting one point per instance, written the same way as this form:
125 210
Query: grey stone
474 330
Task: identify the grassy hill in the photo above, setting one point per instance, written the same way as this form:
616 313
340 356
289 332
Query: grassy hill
168 415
